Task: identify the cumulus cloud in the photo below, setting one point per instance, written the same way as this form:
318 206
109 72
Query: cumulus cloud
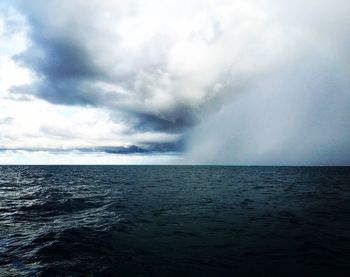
160 62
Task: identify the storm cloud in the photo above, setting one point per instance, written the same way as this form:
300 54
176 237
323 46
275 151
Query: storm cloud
222 82
160 62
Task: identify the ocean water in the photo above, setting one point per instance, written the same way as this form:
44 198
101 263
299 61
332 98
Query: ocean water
174 221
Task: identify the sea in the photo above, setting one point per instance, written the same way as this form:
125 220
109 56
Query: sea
174 221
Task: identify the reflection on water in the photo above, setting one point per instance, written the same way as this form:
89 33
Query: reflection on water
174 221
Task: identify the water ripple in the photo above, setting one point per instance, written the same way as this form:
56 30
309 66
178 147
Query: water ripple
173 221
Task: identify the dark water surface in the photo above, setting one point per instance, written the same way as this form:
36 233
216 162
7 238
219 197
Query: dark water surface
174 221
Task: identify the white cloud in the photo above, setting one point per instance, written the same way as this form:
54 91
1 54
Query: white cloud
13 41
38 124
44 157
13 32
12 75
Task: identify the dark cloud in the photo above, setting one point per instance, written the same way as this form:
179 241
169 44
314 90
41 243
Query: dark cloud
178 121
70 92
155 148
150 148
61 58
64 67
66 55
68 73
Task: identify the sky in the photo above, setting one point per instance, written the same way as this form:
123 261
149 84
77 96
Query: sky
236 82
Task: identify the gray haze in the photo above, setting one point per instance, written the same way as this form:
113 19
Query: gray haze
297 115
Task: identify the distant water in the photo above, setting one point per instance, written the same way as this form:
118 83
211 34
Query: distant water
174 221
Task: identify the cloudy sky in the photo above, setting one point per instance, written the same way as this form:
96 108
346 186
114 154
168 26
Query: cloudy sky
254 82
